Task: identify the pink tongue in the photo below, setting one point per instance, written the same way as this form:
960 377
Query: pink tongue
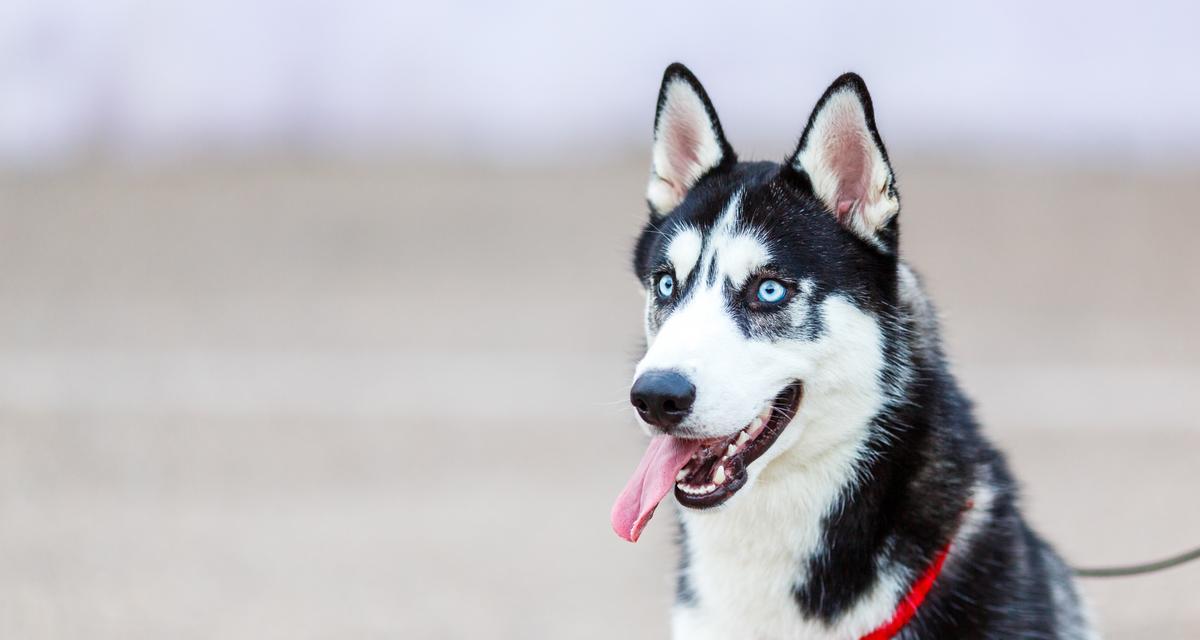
655 476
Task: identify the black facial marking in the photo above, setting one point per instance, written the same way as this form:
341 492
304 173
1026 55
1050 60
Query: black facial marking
712 270
814 324
807 245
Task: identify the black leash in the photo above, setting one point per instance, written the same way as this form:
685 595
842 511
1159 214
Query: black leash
1139 569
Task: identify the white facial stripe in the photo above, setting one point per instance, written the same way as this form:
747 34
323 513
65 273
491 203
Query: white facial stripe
738 253
740 256
684 252
722 229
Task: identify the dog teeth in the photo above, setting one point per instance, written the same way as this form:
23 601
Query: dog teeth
743 438
681 476
696 490
731 450
719 476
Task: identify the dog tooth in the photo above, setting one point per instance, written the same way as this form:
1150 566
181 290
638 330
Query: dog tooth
709 488
731 450
719 476
743 438
681 476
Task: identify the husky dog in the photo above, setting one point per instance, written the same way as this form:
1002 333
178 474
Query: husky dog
831 479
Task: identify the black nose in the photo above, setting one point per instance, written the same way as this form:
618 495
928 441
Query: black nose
662 398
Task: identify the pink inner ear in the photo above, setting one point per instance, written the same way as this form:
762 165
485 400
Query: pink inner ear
849 159
682 141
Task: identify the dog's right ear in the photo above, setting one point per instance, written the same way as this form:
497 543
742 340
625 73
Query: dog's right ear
688 140
845 161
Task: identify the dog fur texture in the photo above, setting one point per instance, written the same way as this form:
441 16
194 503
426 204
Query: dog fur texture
883 464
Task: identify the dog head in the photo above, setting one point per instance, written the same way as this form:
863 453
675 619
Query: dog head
768 287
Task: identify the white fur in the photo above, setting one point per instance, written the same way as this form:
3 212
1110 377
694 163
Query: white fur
740 256
840 127
702 342
685 146
747 556
684 252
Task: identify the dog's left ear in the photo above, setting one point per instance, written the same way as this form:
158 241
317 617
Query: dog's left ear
688 140
844 158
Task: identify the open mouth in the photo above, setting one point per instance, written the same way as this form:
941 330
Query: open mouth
717 470
703 473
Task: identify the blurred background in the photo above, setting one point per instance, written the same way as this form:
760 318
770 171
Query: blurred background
316 319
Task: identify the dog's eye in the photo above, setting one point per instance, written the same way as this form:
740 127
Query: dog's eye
666 286
771 291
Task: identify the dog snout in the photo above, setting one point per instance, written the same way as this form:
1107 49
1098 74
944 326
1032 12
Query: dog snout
663 398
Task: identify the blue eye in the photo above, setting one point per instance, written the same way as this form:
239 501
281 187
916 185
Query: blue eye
771 291
666 286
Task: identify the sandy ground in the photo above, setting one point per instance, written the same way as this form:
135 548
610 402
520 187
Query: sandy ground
280 398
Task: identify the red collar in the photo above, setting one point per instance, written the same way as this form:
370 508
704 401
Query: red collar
916 594
911 600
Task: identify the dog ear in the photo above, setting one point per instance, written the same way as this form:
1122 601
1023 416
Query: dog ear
845 161
688 140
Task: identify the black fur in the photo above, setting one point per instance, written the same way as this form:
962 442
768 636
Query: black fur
927 450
